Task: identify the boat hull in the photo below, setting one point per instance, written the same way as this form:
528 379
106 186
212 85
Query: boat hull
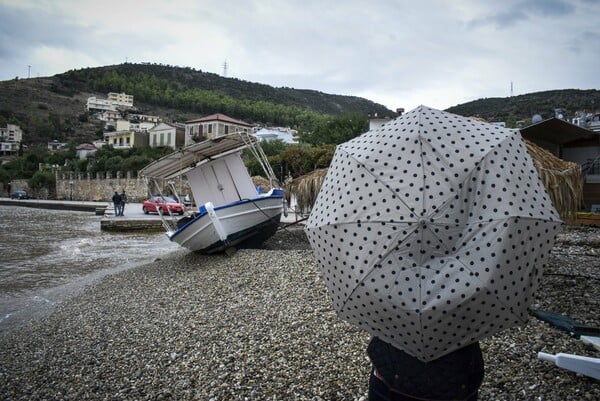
241 224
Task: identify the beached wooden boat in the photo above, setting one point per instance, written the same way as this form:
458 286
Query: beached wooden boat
231 212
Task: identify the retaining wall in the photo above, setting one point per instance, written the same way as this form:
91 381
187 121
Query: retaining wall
98 187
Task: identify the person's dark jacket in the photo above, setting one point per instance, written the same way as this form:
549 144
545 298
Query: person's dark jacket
456 376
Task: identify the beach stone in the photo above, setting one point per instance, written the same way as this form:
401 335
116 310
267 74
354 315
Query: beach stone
258 325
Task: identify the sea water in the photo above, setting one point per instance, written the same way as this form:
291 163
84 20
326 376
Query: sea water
49 255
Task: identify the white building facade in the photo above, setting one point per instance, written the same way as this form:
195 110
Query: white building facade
11 137
164 134
114 101
213 126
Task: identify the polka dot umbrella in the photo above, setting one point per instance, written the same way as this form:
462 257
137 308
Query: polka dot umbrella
431 231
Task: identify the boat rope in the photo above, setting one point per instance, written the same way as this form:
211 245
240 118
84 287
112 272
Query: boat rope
259 154
284 227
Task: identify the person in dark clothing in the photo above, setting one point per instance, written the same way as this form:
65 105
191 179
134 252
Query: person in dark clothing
397 376
117 203
123 202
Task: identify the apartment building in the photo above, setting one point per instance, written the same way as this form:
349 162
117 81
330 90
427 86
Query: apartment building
11 137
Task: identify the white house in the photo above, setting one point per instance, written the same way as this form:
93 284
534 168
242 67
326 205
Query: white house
144 117
376 121
85 149
165 134
93 103
287 135
56 145
137 126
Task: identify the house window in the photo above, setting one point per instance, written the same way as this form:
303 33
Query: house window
201 129
168 138
128 140
162 139
210 128
154 140
226 129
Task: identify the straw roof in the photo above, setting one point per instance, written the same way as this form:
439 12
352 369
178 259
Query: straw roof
562 179
305 189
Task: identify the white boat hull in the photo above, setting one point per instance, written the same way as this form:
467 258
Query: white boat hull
239 224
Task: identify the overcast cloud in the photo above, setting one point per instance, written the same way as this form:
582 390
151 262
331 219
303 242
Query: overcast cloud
397 53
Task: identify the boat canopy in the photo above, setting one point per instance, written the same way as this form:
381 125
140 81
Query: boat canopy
189 157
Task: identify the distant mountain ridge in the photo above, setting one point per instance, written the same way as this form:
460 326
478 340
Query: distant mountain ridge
523 107
186 78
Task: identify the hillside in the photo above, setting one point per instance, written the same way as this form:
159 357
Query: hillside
523 107
54 107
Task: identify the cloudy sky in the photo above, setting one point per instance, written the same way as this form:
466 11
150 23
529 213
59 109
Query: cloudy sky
395 52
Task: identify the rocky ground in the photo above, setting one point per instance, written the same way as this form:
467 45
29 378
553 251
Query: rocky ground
258 325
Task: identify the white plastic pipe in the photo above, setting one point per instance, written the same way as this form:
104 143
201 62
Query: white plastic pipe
580 364
591 340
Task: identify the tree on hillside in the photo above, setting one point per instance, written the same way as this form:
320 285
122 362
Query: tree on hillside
336 129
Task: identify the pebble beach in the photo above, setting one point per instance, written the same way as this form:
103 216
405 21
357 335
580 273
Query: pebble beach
258 325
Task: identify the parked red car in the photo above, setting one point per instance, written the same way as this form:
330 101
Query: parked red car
164 203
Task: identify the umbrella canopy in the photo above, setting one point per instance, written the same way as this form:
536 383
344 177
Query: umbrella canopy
431 231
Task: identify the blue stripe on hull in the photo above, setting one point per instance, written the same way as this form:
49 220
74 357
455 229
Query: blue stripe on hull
249 238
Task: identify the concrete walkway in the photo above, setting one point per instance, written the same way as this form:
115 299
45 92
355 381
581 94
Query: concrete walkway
133 218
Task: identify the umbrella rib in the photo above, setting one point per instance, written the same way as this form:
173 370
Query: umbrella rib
372 266
394 195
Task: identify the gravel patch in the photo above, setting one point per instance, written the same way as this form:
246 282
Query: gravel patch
258 325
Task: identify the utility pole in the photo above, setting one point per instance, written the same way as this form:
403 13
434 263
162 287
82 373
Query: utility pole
28 71
225 69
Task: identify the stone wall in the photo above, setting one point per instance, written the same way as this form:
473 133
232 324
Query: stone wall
95 187
85 187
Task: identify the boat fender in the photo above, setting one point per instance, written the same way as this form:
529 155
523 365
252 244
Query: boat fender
215 221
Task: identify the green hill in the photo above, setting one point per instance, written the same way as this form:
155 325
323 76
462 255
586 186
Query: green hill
523 107
54 107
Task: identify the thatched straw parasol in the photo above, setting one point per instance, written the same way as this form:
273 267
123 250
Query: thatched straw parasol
563 180
305 189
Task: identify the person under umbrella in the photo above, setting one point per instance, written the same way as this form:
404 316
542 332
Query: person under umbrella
397 376
430 232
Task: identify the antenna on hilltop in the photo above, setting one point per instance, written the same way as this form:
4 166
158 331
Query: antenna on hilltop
225 69
28 71
511 88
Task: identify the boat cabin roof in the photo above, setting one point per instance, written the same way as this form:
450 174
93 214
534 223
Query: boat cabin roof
185 159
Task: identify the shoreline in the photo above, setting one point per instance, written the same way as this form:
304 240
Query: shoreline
259 325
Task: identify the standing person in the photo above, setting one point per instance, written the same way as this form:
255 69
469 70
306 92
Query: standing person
117 203
397 376
123 201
